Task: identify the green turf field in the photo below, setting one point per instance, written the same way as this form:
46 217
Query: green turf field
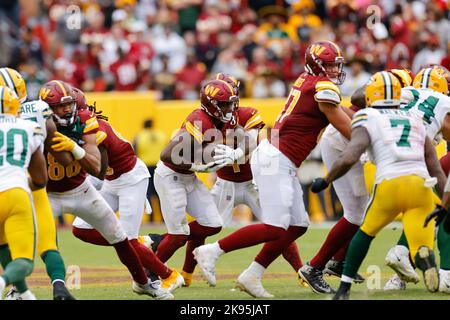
102 277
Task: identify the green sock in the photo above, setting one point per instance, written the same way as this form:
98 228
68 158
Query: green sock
359 246
54 265
402 241
17 270
5 259
443 244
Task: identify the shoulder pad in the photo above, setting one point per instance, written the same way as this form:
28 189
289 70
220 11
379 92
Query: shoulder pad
360 117
328 95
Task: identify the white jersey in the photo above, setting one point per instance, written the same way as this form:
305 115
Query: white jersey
397 140
37 111
430 105
19 139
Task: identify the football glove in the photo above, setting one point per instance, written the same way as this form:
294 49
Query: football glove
63 143
318 185
440 213
223 154
209 167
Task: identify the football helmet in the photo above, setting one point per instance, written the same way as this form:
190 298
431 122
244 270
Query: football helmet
80 98
9 102
325 58
431 78
219 100
403 75
235 83
383 90
58 93
14 80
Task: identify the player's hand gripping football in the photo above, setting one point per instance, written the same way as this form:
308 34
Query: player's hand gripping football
318 185
225 155
440 213
63 143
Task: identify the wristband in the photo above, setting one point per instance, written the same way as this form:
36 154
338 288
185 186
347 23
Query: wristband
78 152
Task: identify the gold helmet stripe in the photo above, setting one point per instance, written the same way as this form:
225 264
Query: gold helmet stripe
8 79
336 47
387 85
2 93
62 87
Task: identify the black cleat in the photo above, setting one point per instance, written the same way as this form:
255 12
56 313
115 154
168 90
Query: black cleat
151 275
426 262
335 268
343 293
156 238
60 292
314 278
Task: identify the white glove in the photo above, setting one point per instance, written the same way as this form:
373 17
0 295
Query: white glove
225 155
364 158
209 167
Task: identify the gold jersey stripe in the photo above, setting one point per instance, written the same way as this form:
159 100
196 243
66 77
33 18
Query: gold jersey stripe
100 136
253 121
91 127
195 132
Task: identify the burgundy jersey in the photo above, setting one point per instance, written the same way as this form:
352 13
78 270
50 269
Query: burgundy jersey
248 118
62 178
445 163
202 128
121 156
299 125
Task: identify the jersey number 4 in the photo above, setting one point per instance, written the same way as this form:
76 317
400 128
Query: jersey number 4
403 142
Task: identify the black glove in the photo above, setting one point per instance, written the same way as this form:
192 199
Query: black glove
318 185
439 213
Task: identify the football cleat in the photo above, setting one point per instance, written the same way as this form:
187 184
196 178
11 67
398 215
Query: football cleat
2 287
156 240
13 294
152 289
251 284
395 283
206 257
314 278
60 292
425 261
151 275
187 278
146 241
343 292
397 259
444 281
173 282
335 268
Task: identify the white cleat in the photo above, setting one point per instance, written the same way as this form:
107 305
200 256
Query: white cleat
398 259
13 294
395 283
251 284
444 281
206 257
152 289
2 287
173 282
147 241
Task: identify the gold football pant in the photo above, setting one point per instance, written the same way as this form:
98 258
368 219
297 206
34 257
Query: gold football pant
406 195
45 222
17 225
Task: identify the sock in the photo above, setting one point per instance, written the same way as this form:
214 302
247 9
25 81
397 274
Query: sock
54 265
5 258
273 249
340 255
291 255
443 244
170 244
197 236
256 269
337 237
130 259
249 236
150 261
402 241
17 270
90 236
356 253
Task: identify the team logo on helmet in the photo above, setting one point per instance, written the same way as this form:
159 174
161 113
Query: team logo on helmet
219 100
324 58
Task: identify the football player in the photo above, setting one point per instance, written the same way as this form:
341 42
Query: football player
352 193
70 191
190 151
407 168
20 152
47 248
428 97
313 103
124 189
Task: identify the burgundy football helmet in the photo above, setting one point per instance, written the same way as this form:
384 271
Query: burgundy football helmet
219 100
235 83
80 98
58 93
324 58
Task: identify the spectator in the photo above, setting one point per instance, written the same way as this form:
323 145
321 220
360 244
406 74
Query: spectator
164 81
431 54
189 78
356 76
304 20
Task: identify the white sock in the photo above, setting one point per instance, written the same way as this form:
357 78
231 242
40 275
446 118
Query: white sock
346 279
53 282
256 269
2 283
217 248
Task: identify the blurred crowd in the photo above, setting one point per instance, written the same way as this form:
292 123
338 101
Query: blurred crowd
171 46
